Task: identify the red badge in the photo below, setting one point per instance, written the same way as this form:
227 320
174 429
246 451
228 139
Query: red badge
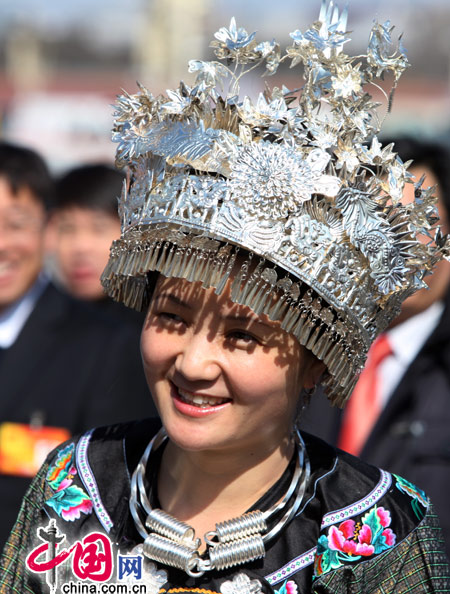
23 448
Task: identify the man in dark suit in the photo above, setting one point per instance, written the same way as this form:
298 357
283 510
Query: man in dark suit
63 366
411 434
83 223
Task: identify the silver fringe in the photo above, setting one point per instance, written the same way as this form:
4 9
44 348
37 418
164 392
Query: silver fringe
195 258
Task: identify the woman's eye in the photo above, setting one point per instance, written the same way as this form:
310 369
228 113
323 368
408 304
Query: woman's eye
242 337
167 316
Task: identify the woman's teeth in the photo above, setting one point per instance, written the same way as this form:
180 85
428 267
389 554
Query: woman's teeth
200 401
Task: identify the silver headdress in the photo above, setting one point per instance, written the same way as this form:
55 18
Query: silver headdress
297 179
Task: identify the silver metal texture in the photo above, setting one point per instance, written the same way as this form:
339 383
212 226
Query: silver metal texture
296 177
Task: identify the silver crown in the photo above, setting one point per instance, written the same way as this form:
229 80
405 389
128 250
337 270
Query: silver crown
296 179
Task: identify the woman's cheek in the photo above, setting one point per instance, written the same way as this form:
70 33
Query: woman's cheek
152 347
257 377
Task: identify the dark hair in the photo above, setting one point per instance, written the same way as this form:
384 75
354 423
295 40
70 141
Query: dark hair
428 153
24 168
90 186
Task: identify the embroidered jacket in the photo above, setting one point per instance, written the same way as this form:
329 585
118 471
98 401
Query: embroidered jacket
359 529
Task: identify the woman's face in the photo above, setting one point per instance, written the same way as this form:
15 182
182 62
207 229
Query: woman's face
222 378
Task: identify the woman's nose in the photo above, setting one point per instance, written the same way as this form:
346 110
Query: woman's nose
198 359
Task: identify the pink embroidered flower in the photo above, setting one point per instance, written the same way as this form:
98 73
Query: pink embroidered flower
291 587
73 513
68 480
349 547
65 483
389 537
365 549
365 534
347 528
337 540
352 540
384 516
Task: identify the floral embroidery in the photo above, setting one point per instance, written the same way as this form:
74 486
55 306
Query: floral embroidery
289 587
350 541
419 498
69 501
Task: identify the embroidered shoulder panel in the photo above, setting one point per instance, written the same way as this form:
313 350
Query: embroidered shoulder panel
68 500
292 567
417 564
354 540
341 515
356 532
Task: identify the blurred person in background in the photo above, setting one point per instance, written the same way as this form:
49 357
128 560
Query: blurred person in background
398 416
82 227
63 366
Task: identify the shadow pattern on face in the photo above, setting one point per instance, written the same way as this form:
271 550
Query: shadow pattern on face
190 307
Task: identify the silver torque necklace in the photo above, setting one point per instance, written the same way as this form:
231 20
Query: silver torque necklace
233 542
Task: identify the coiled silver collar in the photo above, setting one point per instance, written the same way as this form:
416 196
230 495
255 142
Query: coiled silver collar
234 542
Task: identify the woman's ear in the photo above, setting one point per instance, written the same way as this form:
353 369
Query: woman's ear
314 371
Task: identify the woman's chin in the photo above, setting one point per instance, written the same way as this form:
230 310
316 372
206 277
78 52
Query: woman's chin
191 438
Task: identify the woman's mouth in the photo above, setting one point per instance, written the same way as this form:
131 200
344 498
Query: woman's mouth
200 401
197 405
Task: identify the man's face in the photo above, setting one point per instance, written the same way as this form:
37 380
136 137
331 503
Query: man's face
439 281
81 241
22 219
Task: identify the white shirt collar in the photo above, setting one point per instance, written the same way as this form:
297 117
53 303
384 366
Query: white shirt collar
14 318
406 341
408 338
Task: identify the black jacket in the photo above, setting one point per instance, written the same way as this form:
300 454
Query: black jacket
412 435
73 367
358 529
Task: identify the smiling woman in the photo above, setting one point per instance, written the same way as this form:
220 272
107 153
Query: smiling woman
269 251
207 357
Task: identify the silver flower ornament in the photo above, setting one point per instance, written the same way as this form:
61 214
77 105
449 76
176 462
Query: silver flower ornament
271 53
263 112
274 180
209 73
180 101
152 577
378 53
347 155
233 42
241 584
347 82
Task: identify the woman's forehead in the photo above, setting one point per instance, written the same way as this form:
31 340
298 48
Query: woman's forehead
194 295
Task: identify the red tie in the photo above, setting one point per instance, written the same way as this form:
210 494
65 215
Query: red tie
364 405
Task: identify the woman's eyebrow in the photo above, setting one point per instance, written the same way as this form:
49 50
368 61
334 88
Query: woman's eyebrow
174 299
245 320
